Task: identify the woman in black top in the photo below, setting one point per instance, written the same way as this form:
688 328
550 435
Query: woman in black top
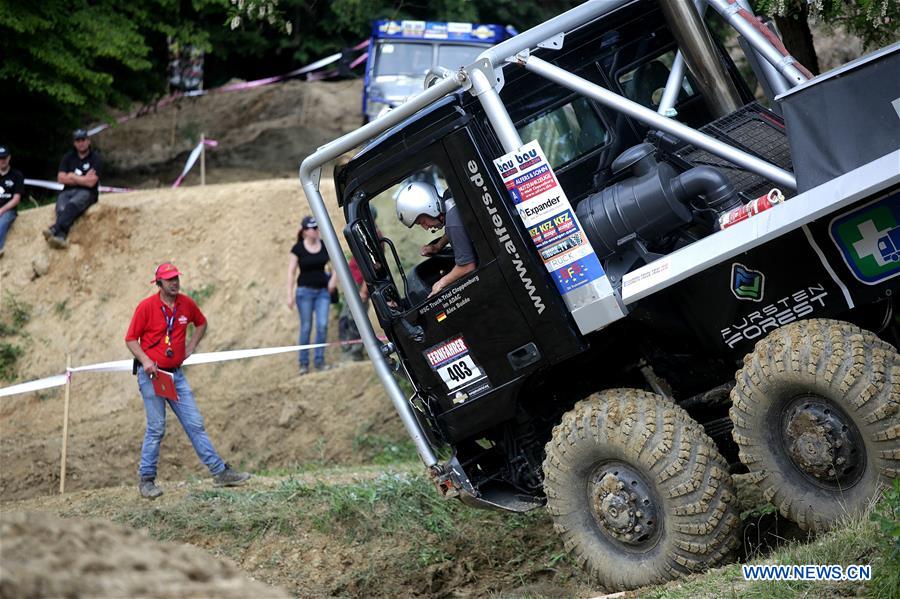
314 287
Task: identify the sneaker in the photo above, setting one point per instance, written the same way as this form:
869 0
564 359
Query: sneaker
48 233
322 367
304 370
230 478
149 490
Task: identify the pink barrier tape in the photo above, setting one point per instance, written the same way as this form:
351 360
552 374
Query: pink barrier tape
235 86
192 159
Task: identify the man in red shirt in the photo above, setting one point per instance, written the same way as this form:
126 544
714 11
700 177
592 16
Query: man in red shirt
157 337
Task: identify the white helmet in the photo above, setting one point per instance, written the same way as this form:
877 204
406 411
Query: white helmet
418 198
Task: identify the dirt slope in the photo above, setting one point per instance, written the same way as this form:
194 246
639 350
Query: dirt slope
46 556
232 243
262 133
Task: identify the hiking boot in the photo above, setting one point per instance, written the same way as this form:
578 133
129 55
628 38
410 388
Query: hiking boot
230 478
55 240
322 367
149 490
304 370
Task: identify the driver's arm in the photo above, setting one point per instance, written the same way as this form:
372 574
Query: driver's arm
433 248
457 272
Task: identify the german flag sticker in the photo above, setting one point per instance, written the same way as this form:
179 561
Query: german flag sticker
442 317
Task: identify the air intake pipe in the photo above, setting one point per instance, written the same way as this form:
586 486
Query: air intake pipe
651 203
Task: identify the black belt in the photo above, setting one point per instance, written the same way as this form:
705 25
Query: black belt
136 364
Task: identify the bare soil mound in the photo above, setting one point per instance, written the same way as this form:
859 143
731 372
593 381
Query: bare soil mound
45 556
232 242
262 133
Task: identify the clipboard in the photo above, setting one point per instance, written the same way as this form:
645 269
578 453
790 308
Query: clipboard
164 385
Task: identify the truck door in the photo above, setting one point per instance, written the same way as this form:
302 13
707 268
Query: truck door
469 342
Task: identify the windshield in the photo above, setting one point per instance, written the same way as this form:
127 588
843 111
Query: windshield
411 60
452 56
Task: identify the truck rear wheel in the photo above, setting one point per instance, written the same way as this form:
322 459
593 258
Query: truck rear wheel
815 418
637 490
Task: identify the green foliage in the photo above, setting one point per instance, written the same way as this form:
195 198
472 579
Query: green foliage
875 22
886 569
202 294
19 312
62 310
9 355
379 449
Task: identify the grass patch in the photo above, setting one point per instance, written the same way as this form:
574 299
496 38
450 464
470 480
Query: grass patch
19 312
202 294
865 539
9 355
62 310
382 450
398 526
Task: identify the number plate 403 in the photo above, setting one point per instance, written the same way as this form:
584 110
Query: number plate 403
459 372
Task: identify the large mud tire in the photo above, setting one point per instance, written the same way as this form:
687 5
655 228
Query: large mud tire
695 521
853 375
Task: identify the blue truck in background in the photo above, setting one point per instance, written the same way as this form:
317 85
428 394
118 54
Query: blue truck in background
402 52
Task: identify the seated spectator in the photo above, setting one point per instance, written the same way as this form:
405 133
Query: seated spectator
12 186
80 172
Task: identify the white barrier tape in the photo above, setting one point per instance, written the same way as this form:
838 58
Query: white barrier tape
125 365
192 159
59 186
51 381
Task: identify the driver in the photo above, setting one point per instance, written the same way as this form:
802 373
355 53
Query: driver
418 203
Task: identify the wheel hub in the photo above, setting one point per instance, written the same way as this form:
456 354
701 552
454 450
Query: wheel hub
622 504
822 441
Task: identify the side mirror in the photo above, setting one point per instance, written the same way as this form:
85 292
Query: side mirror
366 247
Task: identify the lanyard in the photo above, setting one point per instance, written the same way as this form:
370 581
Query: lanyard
170 323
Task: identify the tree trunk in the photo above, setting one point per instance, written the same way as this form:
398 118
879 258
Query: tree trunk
797 37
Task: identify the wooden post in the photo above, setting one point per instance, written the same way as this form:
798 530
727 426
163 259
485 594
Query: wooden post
65 433
202 159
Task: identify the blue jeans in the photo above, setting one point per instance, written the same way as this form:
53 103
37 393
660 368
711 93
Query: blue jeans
191 421
309 300
6 221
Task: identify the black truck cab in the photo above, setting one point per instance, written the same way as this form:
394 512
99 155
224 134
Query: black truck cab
469 359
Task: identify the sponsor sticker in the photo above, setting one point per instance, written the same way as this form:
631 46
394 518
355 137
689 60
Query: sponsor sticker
869 239
780 312
645 277
746 283
457 368
546 213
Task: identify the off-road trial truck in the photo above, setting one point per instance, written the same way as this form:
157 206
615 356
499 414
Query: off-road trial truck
630 339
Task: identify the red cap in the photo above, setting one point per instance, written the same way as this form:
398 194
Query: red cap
166 271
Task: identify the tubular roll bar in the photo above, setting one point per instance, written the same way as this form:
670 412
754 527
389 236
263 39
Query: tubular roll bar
485 79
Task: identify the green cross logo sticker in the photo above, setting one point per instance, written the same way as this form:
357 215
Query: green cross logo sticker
869 239
746 283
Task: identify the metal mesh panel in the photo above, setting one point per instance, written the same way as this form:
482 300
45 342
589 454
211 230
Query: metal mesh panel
754 130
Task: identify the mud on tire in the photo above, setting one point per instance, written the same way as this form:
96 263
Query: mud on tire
815 417
673 477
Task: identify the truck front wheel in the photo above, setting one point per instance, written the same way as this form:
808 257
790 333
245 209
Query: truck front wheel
815 417
637 490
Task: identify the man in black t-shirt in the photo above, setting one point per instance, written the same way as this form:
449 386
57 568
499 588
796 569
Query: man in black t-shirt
418 203
12 188
80 172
